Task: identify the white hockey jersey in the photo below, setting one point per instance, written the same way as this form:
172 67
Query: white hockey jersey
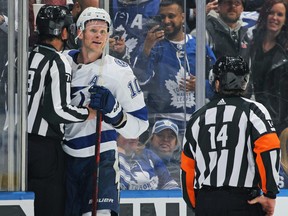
118 77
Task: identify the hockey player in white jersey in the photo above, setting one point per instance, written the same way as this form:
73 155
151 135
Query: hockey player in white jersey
116 93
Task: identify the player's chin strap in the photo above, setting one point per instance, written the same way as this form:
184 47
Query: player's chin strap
76 38
102 64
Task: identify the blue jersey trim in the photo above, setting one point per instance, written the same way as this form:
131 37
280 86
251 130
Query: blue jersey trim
109 135
90 140
141 113
74 54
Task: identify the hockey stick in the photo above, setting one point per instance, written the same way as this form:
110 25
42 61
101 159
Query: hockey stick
97 163
97 147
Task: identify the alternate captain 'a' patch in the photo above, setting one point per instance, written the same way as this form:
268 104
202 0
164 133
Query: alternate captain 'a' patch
121 63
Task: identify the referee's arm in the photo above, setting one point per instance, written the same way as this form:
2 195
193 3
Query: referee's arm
188 175
57 108
267 150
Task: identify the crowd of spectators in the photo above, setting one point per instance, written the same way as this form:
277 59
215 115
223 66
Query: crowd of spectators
141 168
243 29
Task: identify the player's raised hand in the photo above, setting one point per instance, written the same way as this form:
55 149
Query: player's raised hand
103 100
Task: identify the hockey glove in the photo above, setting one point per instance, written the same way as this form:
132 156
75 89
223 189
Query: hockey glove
103 100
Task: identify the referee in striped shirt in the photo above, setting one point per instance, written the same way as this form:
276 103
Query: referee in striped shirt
49 78
231 153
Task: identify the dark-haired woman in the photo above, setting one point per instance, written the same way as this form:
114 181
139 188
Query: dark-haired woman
270 71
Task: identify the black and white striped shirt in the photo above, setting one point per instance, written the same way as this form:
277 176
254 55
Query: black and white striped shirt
231 142
49 78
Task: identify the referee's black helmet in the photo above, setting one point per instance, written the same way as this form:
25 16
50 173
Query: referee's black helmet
51 19
232 73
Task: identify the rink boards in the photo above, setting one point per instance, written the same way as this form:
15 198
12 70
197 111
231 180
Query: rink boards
133 203
170 203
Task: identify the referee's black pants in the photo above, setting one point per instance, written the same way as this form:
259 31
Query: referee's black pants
46 175
226 202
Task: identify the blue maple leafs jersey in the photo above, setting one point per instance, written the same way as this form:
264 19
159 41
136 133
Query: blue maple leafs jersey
132 17
118 77
144 171
160 74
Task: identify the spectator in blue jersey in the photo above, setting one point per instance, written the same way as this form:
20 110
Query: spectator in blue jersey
112 89
164 141
117 46
166 67
141 168
231 154
130 18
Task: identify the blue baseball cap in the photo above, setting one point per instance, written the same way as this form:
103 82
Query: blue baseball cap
165 124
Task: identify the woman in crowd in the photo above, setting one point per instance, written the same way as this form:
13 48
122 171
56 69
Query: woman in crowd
270 68
164 141
141 168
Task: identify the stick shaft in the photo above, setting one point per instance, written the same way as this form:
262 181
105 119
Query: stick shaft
97 146
97 164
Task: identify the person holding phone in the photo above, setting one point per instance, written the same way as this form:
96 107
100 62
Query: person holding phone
166 67
131 17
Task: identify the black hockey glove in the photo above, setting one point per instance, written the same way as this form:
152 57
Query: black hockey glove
103 100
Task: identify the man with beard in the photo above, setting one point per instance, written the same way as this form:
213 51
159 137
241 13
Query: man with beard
226 35
166 69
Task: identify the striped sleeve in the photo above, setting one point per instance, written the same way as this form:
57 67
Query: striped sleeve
188 177
188 171
267 150
57 108
49 78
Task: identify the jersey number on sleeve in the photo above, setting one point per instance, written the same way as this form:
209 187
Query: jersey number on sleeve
134 88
